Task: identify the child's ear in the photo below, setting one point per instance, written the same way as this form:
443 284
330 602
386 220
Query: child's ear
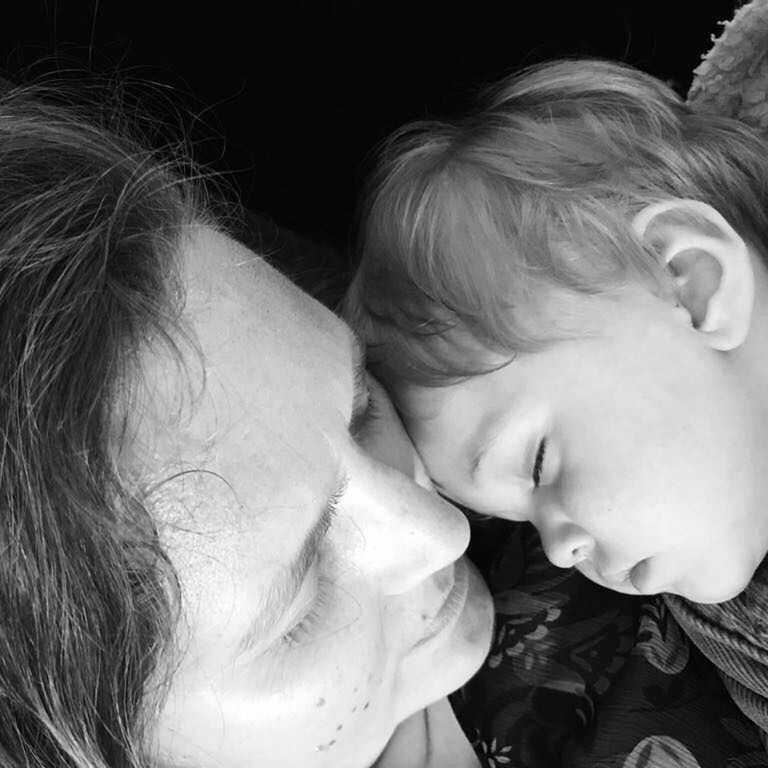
711 263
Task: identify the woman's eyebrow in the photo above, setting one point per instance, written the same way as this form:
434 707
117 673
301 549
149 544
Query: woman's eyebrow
360 405
283 590
285 586
358 356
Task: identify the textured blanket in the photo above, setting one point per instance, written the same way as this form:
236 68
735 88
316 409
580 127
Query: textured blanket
732 79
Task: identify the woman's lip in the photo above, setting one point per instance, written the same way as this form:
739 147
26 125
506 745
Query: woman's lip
450 610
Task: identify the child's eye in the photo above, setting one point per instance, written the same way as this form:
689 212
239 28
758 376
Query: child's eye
539 462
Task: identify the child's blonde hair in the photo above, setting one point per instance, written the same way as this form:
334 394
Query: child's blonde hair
468 223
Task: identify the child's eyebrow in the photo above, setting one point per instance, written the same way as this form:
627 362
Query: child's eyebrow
485 437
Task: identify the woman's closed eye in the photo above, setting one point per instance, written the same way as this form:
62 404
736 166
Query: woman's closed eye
365 412
312 616
366 409
317 604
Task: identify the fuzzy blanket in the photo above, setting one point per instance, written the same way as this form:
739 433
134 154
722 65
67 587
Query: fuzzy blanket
732 79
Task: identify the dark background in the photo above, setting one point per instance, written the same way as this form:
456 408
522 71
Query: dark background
292 97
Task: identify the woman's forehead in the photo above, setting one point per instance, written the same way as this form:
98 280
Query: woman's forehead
268 360
220 269
277 372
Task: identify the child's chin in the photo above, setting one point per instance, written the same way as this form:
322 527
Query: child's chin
711 594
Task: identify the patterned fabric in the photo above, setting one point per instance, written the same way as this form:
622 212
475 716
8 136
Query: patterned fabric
734 636
579 676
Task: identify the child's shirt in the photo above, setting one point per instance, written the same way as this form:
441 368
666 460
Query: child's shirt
734 636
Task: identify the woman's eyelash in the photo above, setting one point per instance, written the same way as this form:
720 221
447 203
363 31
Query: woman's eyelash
372 409
299 633
312 615
362 421
539 462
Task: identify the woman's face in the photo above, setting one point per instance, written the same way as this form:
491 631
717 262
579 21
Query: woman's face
323 600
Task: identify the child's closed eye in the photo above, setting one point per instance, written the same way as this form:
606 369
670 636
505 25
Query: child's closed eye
538 463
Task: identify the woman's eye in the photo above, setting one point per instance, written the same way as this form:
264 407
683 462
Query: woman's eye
539 462
312 617
364 414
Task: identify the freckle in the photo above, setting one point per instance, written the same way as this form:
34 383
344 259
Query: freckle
339 726
367 704
354 690
320 702
354 709
325 747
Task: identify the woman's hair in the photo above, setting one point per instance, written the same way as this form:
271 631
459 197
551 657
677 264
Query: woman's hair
90 229
471 227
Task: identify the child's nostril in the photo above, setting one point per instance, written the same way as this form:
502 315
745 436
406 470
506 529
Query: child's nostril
579 553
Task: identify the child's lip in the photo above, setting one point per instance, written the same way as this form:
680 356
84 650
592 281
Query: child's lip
618 577
636 577
643 581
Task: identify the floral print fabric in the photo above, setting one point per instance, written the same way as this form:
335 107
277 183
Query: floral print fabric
581 676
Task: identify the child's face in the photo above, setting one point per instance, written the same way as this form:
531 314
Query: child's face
655 473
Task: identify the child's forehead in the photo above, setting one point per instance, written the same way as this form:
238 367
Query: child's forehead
559 312
560 320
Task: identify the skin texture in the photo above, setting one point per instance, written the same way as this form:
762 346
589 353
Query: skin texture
266 432
654 473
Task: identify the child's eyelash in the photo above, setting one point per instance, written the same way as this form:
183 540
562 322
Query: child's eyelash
303 630
539 462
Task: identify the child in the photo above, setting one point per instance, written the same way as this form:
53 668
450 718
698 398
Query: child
566 294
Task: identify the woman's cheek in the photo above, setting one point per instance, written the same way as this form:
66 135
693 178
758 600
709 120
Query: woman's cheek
351 705
331 661
360 716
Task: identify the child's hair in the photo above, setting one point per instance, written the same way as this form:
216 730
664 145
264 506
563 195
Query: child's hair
469 225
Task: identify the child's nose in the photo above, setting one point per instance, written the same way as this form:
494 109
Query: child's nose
566 544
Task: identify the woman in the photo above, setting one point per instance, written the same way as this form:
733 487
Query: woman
215 548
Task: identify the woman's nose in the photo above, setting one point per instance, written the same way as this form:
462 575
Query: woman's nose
404 532
565 543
